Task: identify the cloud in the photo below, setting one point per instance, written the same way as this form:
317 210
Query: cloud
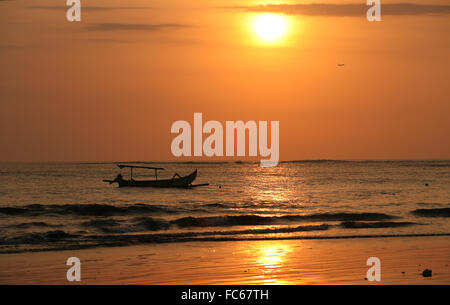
348 10
108 27
105 40
87 8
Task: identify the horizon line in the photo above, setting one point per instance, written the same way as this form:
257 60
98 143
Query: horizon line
227 161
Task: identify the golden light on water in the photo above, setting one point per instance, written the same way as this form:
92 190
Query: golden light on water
271 259
270 28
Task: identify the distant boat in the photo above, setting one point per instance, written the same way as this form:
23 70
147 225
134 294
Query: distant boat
176 181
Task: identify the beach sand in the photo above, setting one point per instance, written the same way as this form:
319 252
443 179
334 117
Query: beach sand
340 261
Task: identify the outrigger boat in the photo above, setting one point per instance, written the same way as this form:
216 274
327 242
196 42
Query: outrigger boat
175 181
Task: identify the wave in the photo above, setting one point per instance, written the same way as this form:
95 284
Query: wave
426 164
27 225
375 225
251 204
129 240
243 220
100 223
86 210
140 224
309 228
216 205
438 212
53 236
143 224
151 224
37 238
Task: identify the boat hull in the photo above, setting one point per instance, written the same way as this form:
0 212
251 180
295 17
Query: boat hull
180 182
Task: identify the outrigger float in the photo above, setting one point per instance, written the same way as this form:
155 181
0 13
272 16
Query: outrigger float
176 181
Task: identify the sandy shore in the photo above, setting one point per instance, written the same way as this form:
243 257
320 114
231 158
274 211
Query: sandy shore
241 262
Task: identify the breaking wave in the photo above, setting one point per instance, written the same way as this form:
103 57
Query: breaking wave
27 225
59 240
438 212
242 220
139 224
375 225
37 238
86 210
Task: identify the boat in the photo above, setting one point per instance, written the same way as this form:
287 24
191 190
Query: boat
176 181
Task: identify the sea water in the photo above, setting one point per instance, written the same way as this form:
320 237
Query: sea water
55 206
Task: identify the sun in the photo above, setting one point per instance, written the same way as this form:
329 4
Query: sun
270 27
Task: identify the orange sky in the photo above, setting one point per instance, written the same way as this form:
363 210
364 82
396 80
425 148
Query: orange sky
109 87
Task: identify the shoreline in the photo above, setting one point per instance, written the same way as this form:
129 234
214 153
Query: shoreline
287 261
225 239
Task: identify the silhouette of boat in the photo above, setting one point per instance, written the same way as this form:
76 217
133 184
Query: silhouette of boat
176 181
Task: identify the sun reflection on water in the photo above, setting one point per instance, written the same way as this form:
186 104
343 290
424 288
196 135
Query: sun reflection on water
271 259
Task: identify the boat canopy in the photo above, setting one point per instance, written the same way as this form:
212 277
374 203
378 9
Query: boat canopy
138 166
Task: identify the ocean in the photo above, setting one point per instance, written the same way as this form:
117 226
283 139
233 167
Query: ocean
60 206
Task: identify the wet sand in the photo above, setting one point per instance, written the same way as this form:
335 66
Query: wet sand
340 261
